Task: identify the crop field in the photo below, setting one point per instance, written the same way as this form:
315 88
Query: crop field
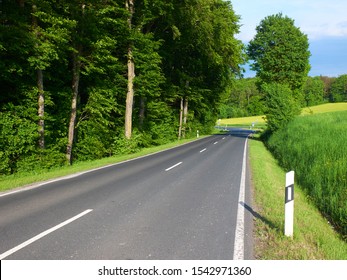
246 121
259 121
315 147
325 108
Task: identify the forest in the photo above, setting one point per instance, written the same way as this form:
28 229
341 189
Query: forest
87 79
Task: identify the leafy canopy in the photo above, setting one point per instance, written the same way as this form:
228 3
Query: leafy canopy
280 52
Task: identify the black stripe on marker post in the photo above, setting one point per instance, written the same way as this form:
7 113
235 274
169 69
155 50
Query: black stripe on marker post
289 195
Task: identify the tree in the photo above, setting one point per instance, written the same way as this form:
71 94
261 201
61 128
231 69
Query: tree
95 73
327 85
200 57
313 91
338 90
280 52
131 74
78 13
50 36
242 99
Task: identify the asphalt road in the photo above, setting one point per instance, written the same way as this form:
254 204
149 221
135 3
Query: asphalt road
182 203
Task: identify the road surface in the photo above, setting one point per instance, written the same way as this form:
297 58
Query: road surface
183 203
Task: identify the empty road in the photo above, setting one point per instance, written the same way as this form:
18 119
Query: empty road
183 203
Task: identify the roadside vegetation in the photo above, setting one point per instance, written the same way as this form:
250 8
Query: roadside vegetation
85 80
315 147
314 237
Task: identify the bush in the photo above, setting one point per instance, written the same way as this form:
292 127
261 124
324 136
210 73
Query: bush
90 148
281 106
123 145
18 138
41 160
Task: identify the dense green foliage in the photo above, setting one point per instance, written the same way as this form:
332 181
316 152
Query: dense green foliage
280 52
315 147
313 91
64 75
281 107
243 99
338 92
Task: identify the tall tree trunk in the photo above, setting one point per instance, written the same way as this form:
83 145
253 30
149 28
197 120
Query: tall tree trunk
76 68
131 75
41 109
41 94
185 115
181 120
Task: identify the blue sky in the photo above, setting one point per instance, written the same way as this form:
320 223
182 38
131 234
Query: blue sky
324 22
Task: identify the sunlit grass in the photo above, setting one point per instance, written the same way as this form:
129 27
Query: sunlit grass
325 108
315 147
314 238
243 121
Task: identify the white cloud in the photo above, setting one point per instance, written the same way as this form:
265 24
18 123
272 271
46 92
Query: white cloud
316 18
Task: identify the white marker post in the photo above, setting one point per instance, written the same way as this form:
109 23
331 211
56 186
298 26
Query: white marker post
289 205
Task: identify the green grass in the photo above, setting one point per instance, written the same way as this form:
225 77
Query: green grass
243 121
314 238
325 108
23 179
315 147
317 144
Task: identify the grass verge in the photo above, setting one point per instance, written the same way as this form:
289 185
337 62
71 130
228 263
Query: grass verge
314 238
315 147
23 179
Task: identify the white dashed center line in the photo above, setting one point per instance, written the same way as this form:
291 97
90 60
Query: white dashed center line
177 164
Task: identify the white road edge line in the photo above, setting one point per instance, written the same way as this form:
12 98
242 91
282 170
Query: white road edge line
39 236
177 164
240 222
203 150
215 143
